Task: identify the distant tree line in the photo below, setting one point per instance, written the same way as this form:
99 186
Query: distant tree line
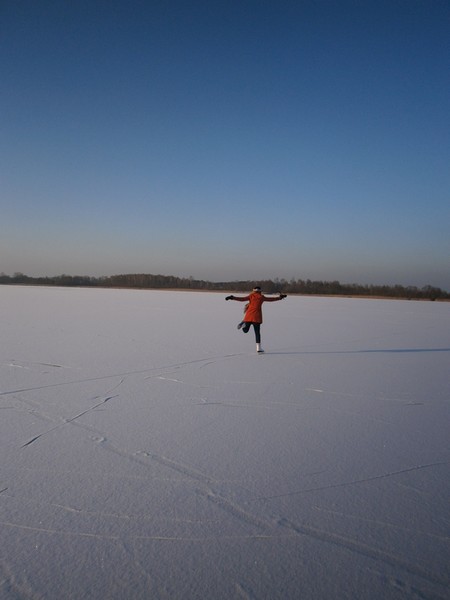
294 286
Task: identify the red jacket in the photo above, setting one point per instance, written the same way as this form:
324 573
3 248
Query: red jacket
255 300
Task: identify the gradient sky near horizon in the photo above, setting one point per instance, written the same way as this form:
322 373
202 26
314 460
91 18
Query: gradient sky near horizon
227 140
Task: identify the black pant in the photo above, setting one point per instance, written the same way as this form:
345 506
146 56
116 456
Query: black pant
256 327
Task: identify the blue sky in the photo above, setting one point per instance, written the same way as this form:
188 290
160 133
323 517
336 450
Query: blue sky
227 140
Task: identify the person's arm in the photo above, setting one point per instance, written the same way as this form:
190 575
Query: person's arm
238 298
280 297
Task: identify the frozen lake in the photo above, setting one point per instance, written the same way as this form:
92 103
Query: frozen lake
148 452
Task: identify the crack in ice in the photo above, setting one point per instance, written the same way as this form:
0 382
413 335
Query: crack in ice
349 483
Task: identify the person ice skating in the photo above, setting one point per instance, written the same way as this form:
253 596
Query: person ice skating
253 312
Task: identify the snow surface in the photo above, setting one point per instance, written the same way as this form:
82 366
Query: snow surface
148 452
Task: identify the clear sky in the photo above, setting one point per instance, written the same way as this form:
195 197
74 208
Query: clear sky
234 139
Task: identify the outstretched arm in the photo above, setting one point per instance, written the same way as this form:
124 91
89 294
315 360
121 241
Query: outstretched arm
238 298
280 297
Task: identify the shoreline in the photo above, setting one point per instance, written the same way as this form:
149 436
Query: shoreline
209 291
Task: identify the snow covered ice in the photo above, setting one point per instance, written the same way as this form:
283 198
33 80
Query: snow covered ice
148 452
